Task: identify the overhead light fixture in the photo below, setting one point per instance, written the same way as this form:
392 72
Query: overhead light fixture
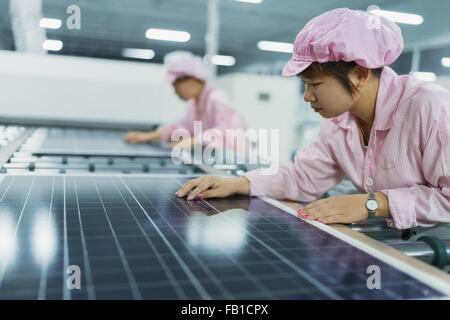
52 45
49 23
250 1
276 46
399 17
424 76
220 60
446 62
144 54
168 35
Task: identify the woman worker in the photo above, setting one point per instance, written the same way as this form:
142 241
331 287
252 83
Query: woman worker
189 77
389 134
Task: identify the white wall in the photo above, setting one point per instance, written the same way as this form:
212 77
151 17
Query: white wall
279 112
444 81
85 89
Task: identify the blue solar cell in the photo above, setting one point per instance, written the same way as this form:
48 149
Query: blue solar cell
132 238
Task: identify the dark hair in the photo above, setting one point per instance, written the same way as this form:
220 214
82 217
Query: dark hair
339 70
183 78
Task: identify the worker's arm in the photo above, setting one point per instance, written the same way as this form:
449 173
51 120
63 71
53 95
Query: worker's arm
214 187
344 209
142 137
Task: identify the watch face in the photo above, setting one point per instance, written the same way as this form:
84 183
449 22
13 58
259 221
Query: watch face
372 205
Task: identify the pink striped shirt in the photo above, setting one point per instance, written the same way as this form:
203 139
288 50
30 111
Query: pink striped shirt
213 111
407 158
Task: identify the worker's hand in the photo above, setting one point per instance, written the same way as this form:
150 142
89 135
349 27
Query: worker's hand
343 209
214 187
141 137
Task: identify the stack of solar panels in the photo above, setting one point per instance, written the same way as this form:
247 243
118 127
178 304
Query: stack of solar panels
9 133
70 141
27 162
66 150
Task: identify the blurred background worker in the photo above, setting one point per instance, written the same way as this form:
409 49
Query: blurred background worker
189 77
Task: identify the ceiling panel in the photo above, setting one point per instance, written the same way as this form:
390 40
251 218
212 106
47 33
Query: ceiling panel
107 26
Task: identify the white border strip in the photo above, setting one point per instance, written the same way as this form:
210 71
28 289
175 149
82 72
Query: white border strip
106 174
96 153
417 274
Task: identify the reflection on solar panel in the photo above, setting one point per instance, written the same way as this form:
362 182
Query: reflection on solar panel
87 141
132 238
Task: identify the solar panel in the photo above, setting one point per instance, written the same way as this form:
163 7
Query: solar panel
71 141
133 239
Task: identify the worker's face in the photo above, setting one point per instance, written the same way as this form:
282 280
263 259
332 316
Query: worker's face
327 96
187 88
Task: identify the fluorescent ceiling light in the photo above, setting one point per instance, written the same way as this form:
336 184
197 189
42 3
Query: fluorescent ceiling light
220 60
276 46
251 1
446 62
49 23
145 54
168 35
52 45
424 76
399 17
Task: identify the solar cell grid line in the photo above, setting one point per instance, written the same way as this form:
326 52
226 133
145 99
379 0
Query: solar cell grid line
199 287
267 263
211 274
317 237
341 264
42 292
415 277
103 249
159 237
179 290
247 274
87 265
305 275
7 188
5 264
425 292
280 275
66 292
260 286
44 231
287 251
288 216
115 221
134 287
266 260
321 258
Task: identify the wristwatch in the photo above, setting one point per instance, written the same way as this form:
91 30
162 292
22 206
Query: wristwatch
372 205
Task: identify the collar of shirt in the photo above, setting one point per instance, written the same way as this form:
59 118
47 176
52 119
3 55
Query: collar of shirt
389 94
